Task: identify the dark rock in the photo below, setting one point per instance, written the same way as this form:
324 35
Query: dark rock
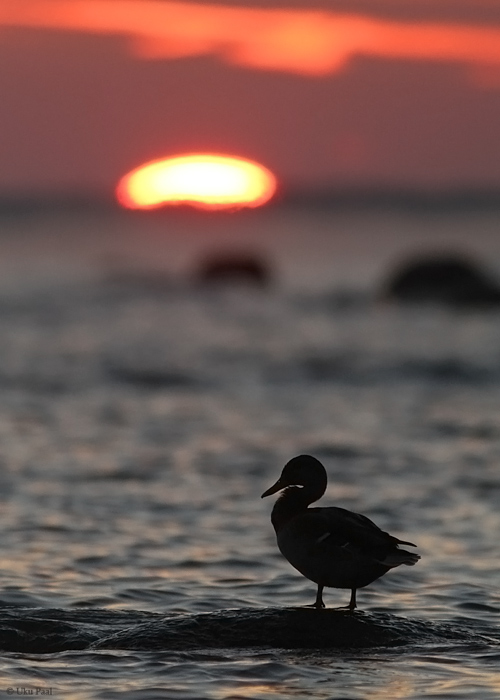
231 268
47 631
35 636
444 279
287 628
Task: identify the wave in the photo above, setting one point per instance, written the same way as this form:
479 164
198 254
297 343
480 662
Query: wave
361 370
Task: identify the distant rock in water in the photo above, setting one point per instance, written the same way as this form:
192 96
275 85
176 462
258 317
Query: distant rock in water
443 279
232 268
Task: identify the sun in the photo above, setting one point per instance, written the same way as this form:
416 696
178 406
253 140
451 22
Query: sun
202 180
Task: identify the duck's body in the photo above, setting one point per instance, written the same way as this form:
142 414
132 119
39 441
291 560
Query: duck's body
331 546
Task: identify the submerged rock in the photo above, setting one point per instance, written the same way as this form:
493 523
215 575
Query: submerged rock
445 279
31 635
287 628
47 631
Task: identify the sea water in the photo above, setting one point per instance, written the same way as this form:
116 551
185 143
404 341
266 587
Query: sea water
142 414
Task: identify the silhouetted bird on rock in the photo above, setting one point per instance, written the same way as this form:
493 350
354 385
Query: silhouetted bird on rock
330 546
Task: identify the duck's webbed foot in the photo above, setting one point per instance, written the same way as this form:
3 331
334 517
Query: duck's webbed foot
318 603
352 603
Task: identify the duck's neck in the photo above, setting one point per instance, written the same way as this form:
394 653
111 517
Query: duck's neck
292 501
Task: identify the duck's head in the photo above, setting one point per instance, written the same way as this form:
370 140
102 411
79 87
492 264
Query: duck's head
303 470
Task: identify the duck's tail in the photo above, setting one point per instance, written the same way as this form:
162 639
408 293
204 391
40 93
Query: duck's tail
409 544
400 556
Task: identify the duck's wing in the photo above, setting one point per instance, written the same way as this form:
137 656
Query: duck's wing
357 527
356 535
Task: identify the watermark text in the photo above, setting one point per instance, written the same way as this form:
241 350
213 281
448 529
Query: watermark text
23 690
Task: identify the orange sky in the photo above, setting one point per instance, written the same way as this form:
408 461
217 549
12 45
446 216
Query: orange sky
304 41
400 59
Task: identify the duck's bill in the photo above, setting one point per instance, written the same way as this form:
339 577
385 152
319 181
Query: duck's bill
274 488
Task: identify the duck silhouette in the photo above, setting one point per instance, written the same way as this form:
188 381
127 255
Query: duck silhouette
331 546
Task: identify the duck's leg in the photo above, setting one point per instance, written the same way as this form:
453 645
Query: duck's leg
318 603
352 602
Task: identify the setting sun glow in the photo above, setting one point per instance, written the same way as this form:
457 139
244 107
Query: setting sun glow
204 181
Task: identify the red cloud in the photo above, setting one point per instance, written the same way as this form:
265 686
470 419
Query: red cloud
309 42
